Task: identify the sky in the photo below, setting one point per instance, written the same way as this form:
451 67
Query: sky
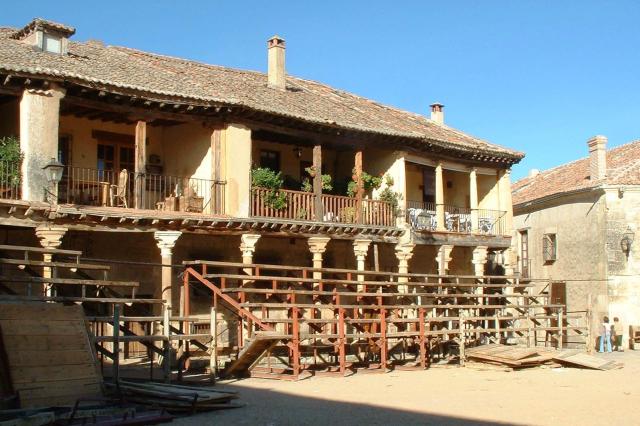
538 76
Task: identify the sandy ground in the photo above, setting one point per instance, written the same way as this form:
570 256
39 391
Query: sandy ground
443 396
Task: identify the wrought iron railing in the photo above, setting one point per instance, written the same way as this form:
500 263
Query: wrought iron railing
300 205
10 180
143 191
423 217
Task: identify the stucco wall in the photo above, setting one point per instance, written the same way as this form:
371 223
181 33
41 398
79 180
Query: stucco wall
458 194
488 192
623 215
578 223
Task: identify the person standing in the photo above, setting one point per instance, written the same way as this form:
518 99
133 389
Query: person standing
605 335
618 332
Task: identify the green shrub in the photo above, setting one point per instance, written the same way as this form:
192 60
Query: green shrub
10 160
272 181
369 182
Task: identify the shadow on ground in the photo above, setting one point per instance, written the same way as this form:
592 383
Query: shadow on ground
264 407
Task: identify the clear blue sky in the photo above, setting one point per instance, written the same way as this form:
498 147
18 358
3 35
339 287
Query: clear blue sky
538 76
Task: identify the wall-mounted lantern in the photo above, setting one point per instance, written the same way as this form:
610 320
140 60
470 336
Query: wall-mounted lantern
627 241
53 173
297 151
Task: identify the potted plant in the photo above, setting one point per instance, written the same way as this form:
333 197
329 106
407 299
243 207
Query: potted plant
307 186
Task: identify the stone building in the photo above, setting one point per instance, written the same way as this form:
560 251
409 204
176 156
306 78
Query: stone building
575 226
158 155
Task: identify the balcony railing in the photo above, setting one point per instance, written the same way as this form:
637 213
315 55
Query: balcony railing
10 180
146 191
300 206
424 217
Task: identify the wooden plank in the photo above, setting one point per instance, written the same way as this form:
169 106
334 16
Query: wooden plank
140 164
52 373
585 360
69 281
54 264
57 389
41 328
35 358
317 183
43 343
39 250
38 311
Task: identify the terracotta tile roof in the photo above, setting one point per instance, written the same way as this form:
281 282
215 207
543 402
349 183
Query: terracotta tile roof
623 168
162 77
39 23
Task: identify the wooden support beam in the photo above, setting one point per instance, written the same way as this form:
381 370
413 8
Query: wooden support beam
317 183
359 185
140 164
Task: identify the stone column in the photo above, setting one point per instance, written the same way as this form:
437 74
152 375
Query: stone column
166 241
236 145
248 247
39 124
473 199
317 246
506 205
479 260
50 237
360 249
440 226
404 253
443 258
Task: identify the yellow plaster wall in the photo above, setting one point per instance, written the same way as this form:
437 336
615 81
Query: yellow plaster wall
187 151
458 194
488 192
414 182
84 148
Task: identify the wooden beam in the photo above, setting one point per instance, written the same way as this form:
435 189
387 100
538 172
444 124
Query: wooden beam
140 163
317 182
359 185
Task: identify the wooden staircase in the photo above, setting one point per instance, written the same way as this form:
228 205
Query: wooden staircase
255 348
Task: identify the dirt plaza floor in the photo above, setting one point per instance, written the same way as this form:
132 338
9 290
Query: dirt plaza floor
443 396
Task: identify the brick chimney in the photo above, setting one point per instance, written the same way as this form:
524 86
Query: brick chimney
276 73
437 113
597 157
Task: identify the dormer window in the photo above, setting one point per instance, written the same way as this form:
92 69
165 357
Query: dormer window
51 44
46 36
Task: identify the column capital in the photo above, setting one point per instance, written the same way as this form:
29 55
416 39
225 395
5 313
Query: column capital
166 241
361 247
479 259
443 258
50 236
248 244
404 251
318 244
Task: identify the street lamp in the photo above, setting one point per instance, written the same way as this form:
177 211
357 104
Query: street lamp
53 173
627 241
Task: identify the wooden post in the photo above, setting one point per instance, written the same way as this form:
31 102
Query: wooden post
317 183
166 331
341 341
217 200
213 328
359 186
560 320
140 164
383 339
462 348
497 320
423 350
440 216
116 344
589 324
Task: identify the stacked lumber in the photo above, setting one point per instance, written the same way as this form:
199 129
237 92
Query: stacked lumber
516 357
175 398
49 354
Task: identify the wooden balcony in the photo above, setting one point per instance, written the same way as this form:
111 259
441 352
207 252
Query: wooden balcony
339 209
424 217
10 180
128 190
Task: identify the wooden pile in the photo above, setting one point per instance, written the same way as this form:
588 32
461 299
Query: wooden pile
516 357
175 398
48 354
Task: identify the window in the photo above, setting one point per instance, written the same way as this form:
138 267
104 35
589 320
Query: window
524 254
549 247
270 160
51 44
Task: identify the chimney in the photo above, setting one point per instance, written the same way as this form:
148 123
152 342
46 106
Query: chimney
276 73
597 157
437 113
46 36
